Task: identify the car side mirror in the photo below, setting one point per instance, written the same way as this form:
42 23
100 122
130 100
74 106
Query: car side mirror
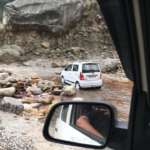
85 124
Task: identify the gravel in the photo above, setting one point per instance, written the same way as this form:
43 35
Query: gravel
22 133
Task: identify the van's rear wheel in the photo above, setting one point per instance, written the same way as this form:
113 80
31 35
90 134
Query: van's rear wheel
99 87
77 85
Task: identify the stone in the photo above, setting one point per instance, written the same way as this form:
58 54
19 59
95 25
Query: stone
56 91
3 82
46 99
6 71
4 75
12 105
52 15
34 90
45 85
109 65
35 79
59 64
35 105
55 65
11 79
29 100
69 90
43 110
45 45
7 91
27 107
56 79
10 53
30 107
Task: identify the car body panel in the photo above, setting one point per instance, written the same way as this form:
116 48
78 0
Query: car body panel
72 134
91 79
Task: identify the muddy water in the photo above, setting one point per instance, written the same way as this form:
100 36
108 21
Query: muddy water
114 92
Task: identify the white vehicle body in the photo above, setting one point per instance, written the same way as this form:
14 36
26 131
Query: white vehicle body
64 130
83 74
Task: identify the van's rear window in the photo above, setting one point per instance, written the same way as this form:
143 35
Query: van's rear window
90 67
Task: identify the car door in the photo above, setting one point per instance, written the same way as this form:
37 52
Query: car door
67 74
75 73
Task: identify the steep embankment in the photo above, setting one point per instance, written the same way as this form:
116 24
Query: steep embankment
54 29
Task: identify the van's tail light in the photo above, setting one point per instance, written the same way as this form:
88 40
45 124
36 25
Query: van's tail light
81 76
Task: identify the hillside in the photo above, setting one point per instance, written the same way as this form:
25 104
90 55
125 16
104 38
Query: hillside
25 35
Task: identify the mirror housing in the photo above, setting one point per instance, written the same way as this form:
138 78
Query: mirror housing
50 130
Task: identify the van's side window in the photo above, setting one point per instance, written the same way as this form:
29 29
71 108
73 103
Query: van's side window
75 67
64 113
68 68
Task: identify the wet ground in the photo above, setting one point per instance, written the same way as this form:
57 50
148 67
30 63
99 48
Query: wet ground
114 91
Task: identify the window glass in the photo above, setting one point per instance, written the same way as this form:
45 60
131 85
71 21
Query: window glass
64 113
90 67
68 68
75 67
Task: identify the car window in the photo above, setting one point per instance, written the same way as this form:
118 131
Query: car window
34 49
64 113
75 67
68 68
90 67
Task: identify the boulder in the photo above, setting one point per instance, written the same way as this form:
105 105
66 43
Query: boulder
7 91
56 91
43 110
4 75
12 105
35 105
59 64
69 90
45 45
55 64
29 100
27 107
10 53
109 65
45 85
6 71
35 79
52 15
30 107
34 90
56 79
46 99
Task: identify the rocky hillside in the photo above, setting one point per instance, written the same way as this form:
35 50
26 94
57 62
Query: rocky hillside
71 29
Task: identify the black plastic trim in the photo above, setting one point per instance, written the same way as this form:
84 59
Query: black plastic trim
49 117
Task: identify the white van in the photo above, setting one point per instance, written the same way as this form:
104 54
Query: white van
82 75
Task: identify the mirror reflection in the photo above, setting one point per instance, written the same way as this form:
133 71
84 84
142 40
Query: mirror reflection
81 123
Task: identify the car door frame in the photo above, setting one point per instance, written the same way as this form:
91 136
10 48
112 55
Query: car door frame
75 74
67 76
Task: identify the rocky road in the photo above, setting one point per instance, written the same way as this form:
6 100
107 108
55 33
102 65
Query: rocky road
25 132
19 133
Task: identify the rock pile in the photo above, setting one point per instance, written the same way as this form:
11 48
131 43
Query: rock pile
30 95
